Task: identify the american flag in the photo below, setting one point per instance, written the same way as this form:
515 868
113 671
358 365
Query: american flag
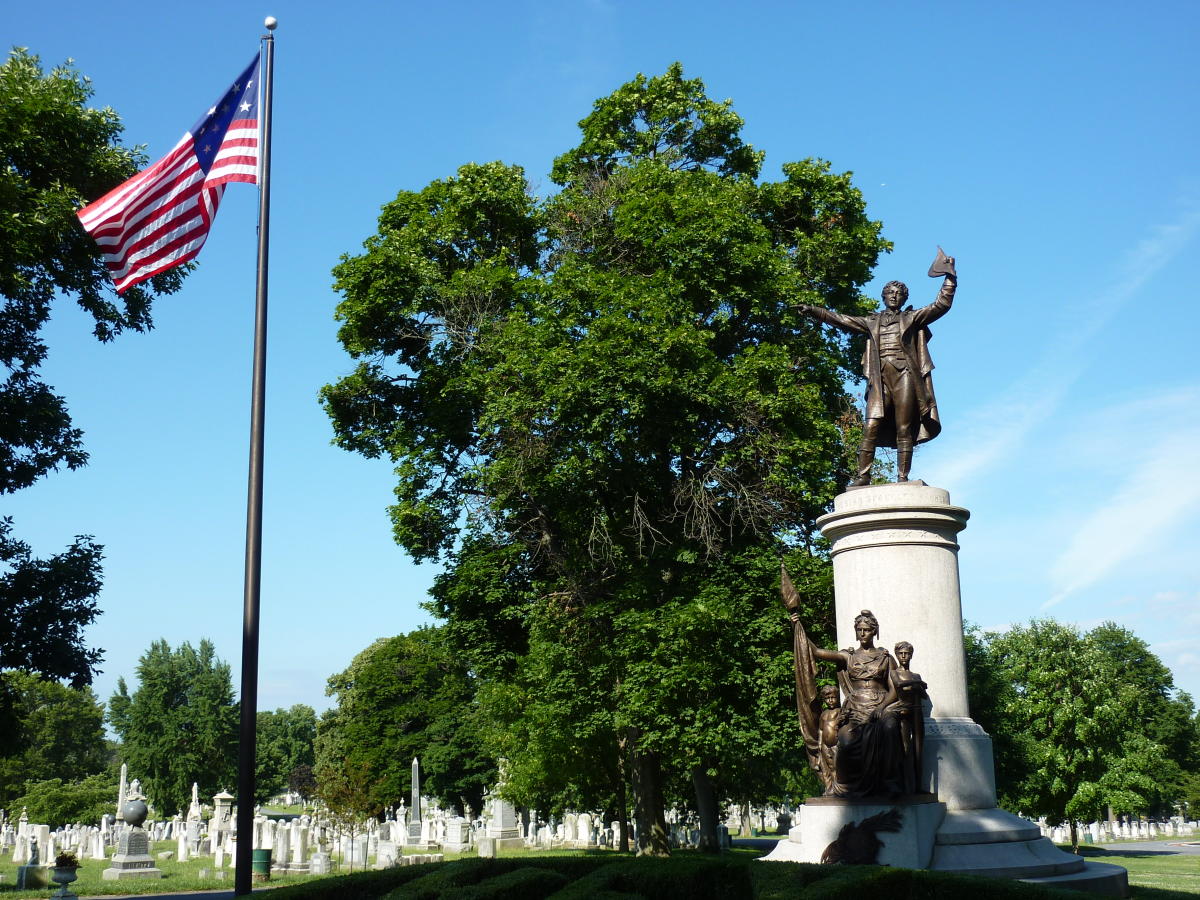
160 217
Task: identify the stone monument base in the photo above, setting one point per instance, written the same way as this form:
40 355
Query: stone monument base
506 838
988 842
822 818
958 764
116 873
132 859
33 877
995 843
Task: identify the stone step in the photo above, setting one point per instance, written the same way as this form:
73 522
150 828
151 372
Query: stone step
1006 859
985 826
1095 878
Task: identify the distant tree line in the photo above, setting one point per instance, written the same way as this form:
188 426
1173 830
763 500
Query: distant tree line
1083 724
178 726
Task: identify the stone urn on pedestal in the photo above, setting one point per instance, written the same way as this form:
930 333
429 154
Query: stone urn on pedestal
66 867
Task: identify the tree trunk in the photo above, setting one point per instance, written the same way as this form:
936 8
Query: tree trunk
622 797
746 826
1074 838
706 806
647 804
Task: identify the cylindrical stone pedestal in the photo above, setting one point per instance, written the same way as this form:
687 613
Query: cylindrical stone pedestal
895 552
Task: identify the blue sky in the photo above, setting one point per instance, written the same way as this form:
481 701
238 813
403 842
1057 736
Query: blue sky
1050 147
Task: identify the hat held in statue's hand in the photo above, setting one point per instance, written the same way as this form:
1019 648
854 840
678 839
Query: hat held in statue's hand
943 265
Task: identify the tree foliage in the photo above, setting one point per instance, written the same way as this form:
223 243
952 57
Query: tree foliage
604 410
302 781
285 740
56 153
1091 721
57 802
402 697
180 724
44 606
55 732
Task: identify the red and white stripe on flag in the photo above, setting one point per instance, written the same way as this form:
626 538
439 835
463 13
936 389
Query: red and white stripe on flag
160 217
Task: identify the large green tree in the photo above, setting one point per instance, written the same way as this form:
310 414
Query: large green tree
1167 715
285 740
704 677
57 733
611 388
402 697
179 725
56 154
1090 721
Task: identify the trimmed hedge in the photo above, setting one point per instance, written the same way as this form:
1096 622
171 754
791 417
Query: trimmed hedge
697 878
532 883
357 886
606 876
464 873
774 881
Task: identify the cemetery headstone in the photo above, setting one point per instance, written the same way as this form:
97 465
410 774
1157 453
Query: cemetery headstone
319 863
387 855
132 859
122 797
458 835
414 815
33 874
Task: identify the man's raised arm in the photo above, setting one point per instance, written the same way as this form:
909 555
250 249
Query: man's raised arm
945 298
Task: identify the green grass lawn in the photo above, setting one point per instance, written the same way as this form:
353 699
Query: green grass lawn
177 876
1153 874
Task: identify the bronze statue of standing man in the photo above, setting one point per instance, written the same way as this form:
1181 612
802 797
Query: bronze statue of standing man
901 408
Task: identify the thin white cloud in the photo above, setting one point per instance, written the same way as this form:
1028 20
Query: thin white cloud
1185 661
1037 395
1147 503
1026 404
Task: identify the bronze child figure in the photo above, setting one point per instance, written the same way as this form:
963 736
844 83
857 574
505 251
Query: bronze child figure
911 691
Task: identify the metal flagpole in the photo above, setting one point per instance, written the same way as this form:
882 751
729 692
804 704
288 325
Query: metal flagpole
254 501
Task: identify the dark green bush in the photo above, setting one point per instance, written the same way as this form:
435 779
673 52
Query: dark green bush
464 873
357 886
604 876
695 877
529 883
784 880
773 881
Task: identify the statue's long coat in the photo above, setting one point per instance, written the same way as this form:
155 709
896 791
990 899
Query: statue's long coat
914 336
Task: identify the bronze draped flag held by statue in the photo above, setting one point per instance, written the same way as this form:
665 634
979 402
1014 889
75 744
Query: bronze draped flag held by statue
806 673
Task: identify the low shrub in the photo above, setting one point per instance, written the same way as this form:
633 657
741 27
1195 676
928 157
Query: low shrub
528 883
356 886
465 873
776 881
609 877
685 876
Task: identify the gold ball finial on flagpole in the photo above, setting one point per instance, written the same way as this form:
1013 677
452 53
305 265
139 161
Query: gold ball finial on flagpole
270 22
